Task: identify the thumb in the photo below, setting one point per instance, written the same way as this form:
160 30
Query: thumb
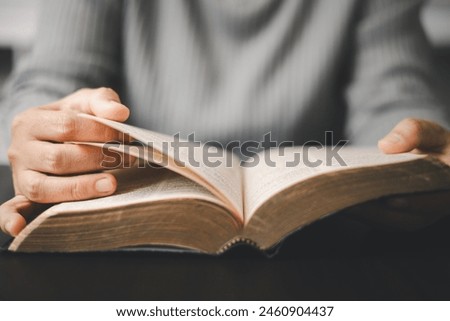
11 219
410 134
100 102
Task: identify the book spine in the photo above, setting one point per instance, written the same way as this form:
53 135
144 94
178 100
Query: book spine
238 240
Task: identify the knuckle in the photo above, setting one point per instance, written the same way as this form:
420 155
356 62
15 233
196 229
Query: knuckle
414 125
34 189
66 127
53 160
18 122
105 92
13 155
82 91
77 191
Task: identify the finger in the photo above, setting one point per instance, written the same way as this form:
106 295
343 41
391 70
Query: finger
412 134
101 102
11 221
63 126
67 159
41 188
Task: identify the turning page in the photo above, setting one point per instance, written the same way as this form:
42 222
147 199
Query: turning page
217 170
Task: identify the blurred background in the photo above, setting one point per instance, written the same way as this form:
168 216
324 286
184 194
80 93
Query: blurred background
18 20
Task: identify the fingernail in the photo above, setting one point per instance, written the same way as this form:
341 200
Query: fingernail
9 227
104 185
392 138
398 203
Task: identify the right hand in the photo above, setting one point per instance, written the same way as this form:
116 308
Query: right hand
45 170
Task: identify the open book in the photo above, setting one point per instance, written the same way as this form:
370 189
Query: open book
210 204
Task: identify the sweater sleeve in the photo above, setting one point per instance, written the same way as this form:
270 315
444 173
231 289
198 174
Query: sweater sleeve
77 45
392 73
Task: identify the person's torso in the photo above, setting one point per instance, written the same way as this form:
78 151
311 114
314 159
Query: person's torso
237 69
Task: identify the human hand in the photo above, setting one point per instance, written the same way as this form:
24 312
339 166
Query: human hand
45 170
410 212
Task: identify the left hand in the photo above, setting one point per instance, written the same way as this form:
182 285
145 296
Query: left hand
410 212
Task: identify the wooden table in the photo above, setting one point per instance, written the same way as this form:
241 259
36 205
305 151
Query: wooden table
334 259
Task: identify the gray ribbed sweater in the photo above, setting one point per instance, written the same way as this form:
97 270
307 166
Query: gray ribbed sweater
236 69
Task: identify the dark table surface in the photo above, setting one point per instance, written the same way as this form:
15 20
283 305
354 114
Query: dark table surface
334 259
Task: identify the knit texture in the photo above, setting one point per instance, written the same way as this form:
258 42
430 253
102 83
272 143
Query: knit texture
237 69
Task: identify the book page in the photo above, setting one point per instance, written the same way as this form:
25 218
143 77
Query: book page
142 185
135 186
221 173
278 170
138 189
